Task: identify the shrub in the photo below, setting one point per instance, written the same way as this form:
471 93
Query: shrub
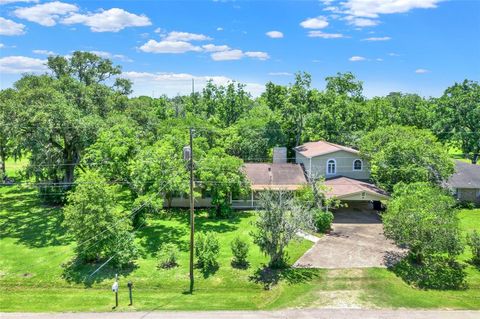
323 220
240 252
436 272
168 256
474 243
207 248
465 205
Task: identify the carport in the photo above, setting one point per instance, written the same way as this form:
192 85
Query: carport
356 193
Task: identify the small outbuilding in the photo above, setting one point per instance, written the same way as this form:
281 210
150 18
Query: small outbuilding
465 182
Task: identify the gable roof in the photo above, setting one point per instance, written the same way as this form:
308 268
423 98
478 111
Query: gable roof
466 176
343 186
283 176
312 149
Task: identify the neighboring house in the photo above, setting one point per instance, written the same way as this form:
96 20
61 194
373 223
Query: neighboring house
465 182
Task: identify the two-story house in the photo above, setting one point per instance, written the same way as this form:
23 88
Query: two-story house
346 174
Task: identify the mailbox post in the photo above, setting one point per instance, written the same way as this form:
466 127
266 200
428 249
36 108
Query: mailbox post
130 286
115 290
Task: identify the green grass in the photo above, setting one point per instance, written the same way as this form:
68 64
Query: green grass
34 245
457 154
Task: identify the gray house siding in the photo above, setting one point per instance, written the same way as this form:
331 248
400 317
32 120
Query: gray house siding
344 165
468 195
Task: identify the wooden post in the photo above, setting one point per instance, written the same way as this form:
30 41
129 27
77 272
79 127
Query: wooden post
192 213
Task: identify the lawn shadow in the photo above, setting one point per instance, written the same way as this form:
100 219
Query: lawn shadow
208 271
240 265
25 217
269 277
153 236
78 272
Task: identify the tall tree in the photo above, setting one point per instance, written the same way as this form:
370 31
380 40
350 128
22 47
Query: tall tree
277 225
92 211
421 217
405 154
221 177
62 113
9 145
458 117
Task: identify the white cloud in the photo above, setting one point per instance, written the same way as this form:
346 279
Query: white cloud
2 45
377 39
393 54
21 64
320 34
236 54
153 46
227 55
172 84
158 30
280 74
374 8
422 71
257 55
357 58
46 14
379 59
13 1
186 36
108 55
319 22
219 29
361 22
274 34
215 48
9 27
112 20
43 52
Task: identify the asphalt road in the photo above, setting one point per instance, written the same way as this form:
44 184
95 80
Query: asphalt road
282 314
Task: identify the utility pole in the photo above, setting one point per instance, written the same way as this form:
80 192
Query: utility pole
192 212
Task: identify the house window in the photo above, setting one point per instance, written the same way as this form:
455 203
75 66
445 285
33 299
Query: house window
331 167
357 165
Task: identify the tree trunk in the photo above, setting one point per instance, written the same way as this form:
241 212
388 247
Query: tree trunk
3 158
475 158
71 158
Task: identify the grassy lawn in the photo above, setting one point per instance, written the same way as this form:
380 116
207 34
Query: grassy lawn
33 247
456 153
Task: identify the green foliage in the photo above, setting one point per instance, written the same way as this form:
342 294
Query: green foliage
279 220
458 117
91 211
155 171
323 220
168 256
240 250
221 177
207 249
405 154
473 241
421 217
436 272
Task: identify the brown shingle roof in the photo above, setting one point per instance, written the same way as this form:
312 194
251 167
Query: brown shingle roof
344 186
275 176
312 149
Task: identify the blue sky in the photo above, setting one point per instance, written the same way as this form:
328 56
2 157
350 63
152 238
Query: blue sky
418 46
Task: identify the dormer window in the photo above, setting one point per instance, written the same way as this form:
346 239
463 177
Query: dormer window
331 167
357 165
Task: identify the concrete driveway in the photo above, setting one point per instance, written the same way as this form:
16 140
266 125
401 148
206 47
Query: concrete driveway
356 241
